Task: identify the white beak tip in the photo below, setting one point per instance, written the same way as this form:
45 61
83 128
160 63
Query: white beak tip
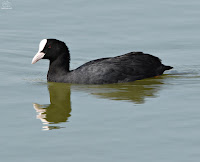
37 57
33 62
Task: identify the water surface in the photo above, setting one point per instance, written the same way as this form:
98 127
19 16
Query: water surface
155 119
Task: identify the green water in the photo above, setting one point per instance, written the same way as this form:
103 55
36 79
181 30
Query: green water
155 119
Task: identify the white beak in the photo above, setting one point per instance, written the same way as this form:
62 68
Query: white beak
40 54
37 57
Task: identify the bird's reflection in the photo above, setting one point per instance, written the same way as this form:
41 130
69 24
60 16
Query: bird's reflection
135 92
59 108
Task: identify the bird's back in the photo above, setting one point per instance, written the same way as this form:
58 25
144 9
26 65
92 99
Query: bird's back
125 68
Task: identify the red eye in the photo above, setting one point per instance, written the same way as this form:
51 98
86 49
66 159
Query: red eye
49 46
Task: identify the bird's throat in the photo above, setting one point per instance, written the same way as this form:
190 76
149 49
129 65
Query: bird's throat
57 69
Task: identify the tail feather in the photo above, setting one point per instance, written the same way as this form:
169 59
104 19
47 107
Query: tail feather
167 67
162 68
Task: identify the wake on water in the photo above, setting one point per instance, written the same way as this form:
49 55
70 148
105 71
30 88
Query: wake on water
186 70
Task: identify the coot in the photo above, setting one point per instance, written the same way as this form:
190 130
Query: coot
125 68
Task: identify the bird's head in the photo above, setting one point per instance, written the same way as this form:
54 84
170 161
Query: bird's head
50 49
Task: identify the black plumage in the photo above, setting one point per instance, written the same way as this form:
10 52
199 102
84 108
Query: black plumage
125 68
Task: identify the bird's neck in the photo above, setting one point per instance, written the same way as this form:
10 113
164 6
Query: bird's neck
58 68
